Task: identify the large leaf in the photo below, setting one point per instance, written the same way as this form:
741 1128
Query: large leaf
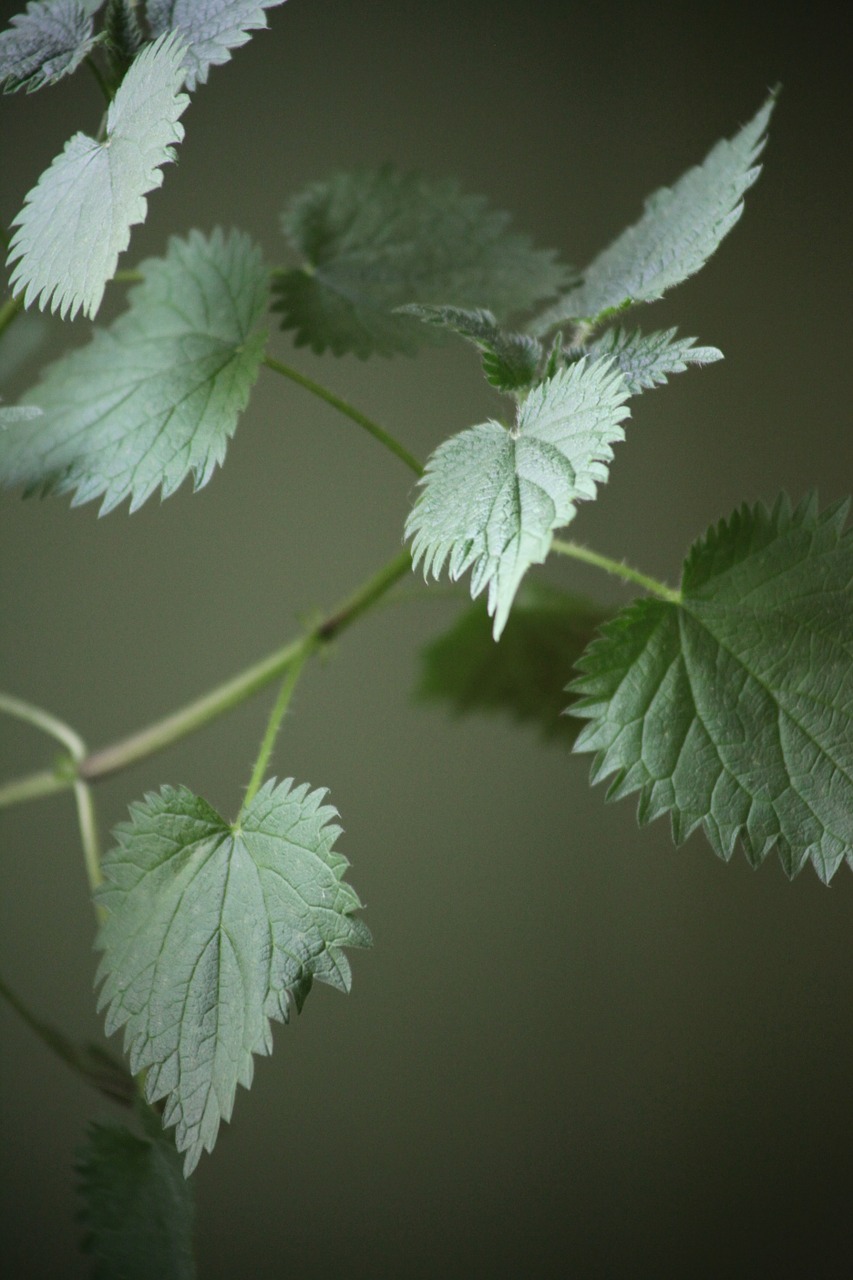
646 360
77 218
375 240
45 43
510 360
210 29
733 710
679 230
523 676
137 1207
491 497
211 931
157 396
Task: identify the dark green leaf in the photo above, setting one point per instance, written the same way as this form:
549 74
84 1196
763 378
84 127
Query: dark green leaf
733 710
510 360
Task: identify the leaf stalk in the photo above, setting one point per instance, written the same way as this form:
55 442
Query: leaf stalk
617 568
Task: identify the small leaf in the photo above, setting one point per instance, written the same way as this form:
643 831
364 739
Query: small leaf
211 931
492 498
44 44
137 1207
377 240
210 29
155 397
733 710
679 230
645 360
124 35
76 220
523 676
510 360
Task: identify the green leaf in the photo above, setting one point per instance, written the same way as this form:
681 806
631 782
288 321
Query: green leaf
510 360
522 676
645 360
13 414
44 44
733 710
137 1207
76 220
155 397
210 29
124 35
680 228
377 240
211 931
492 498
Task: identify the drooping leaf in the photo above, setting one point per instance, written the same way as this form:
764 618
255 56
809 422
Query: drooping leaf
376 240
45 43
212 930
491 497
510 360
210 29
77 218
680 228
733 710
523 676
155 397
137 1208
645 360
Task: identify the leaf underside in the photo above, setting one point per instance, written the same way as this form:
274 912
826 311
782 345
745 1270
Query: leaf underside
77 218
156 397
137 1208
521 677
210 29
377 240
680 228
45 43
646 360
491 498
733 710
211 932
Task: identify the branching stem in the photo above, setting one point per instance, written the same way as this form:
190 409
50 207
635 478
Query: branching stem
618 568
373 428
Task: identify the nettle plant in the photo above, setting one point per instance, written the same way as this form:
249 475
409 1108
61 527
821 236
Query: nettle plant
725 703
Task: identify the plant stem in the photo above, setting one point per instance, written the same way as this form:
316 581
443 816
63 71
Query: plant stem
277 714
46 722
98 74
10 309
349 411
250 681
618 568
44 783
88 824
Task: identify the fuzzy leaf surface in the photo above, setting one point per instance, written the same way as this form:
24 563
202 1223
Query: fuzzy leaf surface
491 498
45 43
680 228
510 360
646 360
376 240
521 677
211 931
13 414
733 710
210 29
137 1208
77 218
156 397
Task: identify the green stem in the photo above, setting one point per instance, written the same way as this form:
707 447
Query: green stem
46 722
99 76
349 411
88 824
250 681
44 783
277 714
618 568
10 308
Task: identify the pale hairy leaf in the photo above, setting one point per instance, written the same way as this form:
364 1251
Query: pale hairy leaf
212 930
13 414
646 360
45 43
491 498
210 29
77 218
137 1208
510 360
680 228
375 240
156 397
733 709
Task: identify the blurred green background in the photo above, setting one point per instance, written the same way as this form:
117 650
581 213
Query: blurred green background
573 1050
